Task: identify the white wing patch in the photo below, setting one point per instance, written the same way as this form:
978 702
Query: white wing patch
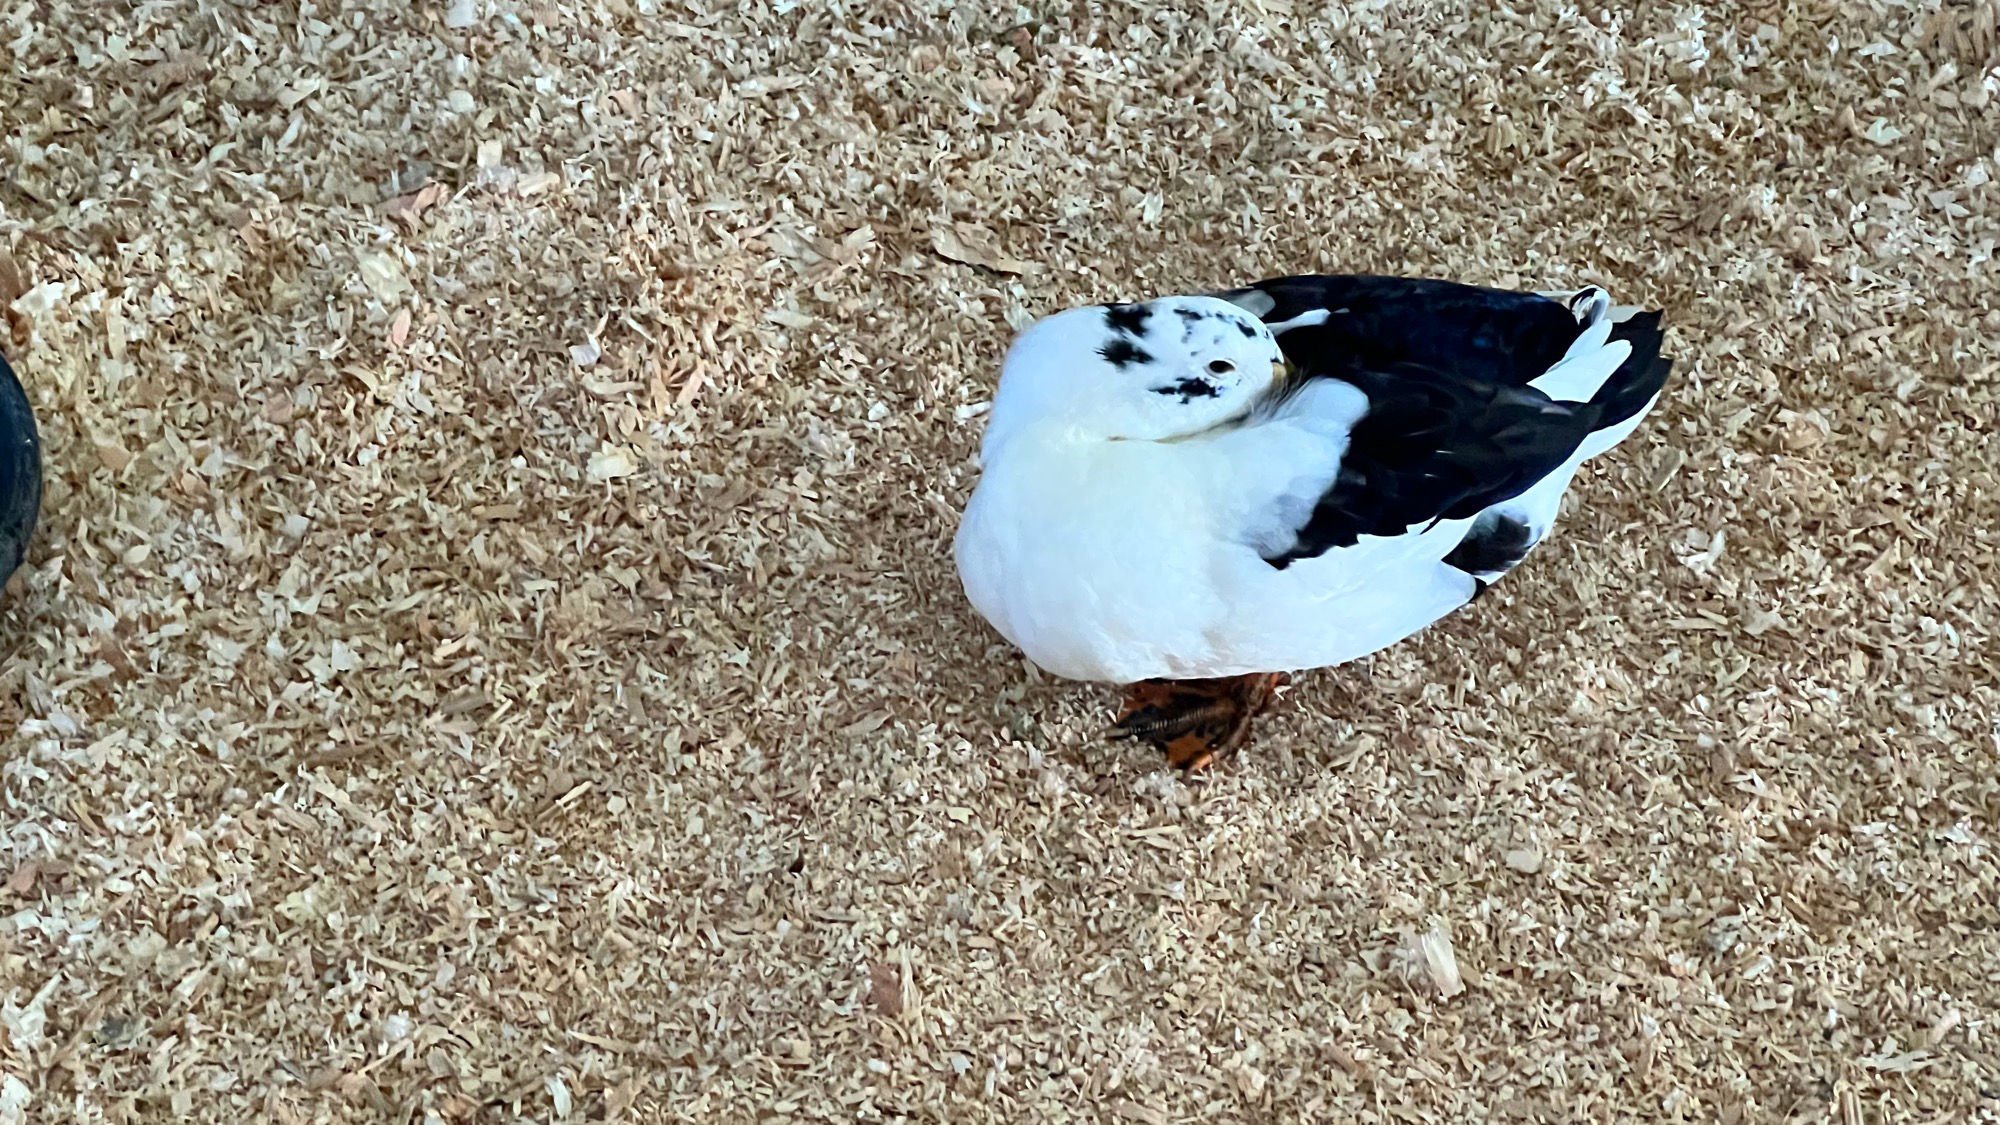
1279 469
1592 357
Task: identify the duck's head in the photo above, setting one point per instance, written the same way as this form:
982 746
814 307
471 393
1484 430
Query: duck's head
1163 369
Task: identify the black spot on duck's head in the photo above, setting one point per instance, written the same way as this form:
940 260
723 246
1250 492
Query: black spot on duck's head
1122 353
1129 320
1189 389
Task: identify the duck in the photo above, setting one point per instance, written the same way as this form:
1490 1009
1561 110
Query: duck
1197 497
20 473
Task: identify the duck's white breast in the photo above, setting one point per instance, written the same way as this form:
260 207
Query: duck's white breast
1092 564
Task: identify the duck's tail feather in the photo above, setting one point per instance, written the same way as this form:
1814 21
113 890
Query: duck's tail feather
1632 389
1593 357
1614 364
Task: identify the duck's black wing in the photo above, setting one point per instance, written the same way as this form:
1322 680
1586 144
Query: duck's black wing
1453 425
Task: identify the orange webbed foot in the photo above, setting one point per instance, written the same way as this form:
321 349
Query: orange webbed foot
1196 723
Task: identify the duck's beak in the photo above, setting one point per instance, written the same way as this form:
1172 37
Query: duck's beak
1282 374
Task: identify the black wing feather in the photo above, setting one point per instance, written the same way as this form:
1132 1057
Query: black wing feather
1452 426
1502 335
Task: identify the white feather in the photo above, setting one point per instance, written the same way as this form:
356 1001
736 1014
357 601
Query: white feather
1590 360
1122 583
1577 377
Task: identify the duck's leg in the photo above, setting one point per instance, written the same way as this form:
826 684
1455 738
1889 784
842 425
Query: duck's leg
1195 723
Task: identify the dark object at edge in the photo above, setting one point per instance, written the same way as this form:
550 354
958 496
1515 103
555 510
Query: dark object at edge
20 472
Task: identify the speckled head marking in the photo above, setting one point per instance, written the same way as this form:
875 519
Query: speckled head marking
1122 353
1127 319
1146 371
1189 389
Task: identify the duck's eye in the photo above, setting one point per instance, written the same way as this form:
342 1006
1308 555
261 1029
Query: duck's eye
1220 367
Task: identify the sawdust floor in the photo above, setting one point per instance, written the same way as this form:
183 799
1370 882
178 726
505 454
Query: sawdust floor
493 653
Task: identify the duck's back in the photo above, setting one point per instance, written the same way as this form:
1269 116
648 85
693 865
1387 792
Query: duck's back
1481 400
